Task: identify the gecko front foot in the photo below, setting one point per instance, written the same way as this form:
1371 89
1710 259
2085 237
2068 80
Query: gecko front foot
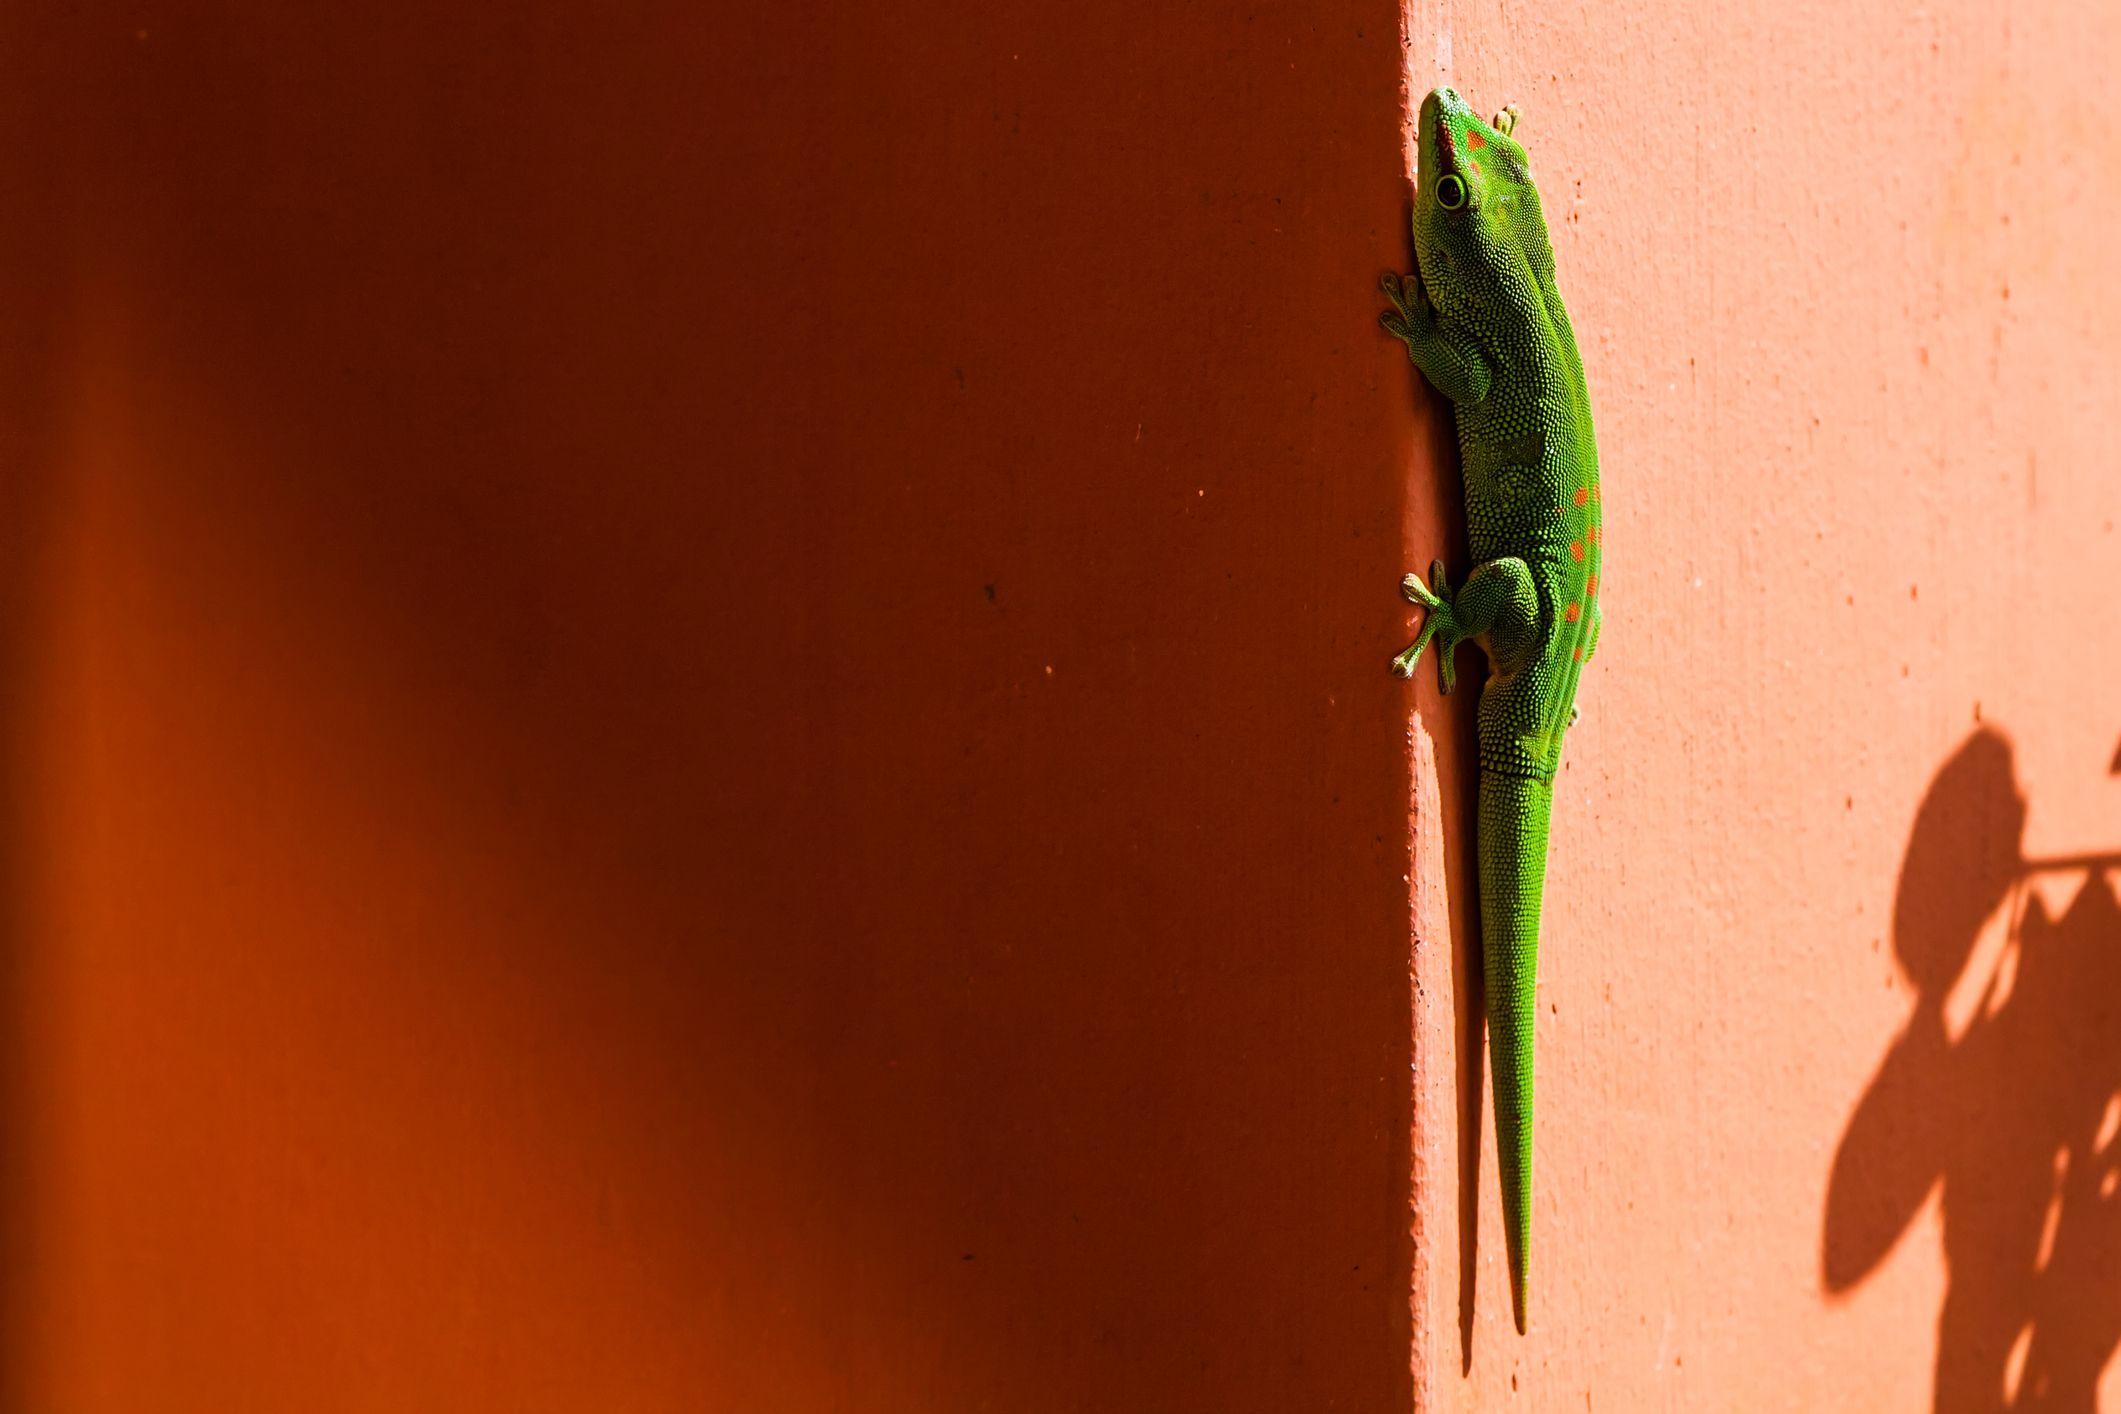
1437 620
1410 319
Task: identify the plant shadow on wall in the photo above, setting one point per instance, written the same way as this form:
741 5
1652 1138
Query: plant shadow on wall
2002 1093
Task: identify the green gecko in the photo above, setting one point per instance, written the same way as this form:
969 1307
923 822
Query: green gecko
1484 324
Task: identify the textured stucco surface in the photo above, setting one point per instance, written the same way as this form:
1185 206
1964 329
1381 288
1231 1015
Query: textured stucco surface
1845 280
696 713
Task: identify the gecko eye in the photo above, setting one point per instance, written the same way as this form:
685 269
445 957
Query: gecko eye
1450 191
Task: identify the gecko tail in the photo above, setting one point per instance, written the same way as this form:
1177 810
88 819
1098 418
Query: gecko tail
1513 864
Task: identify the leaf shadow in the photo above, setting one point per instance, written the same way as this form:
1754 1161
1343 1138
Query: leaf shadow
2001 1094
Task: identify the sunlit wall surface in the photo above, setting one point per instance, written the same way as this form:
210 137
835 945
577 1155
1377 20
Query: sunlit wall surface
1830 1029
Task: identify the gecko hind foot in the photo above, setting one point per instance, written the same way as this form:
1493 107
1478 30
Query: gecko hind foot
1437 619
1415 592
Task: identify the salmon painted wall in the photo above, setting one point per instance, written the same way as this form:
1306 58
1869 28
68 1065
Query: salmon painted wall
697 714
1830 1034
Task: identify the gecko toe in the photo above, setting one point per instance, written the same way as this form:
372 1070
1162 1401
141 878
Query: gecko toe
1415 592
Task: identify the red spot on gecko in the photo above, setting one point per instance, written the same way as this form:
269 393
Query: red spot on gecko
1583 493
1591 589
1475 140
1590 536
1579 655
1474 167
1573 612
1576 550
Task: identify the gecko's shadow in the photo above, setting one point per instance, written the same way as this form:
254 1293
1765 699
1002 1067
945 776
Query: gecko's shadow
1440 503
2002 1093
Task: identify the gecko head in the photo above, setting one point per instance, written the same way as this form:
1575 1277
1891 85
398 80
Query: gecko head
1477 220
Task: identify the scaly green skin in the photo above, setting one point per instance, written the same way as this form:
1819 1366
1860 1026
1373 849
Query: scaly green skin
1484 324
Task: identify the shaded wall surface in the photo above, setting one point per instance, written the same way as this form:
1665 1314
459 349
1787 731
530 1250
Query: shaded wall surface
695 714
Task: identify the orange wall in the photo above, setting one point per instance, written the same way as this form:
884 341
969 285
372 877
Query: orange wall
700 716
698 713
